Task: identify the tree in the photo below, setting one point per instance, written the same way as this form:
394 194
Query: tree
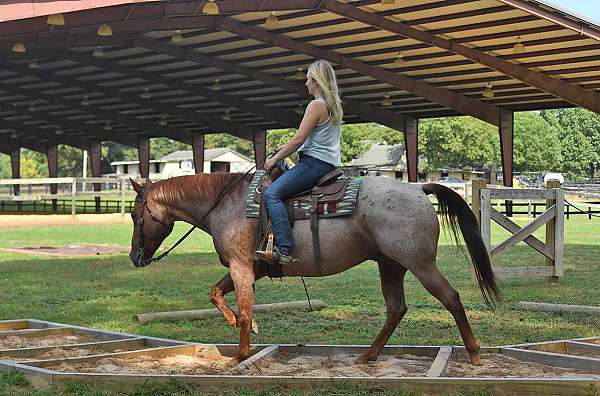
5 169
580 138
458 142
536 144
29 169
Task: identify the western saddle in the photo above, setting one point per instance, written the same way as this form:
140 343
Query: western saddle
307 205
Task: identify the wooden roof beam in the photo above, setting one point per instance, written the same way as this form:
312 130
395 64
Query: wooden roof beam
191 116
273 114
365 111
574 94
90 131
42 134
444 97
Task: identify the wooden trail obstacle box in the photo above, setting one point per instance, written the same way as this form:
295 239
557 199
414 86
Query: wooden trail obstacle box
51 354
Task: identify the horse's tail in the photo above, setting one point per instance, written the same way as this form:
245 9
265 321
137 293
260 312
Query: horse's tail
456 213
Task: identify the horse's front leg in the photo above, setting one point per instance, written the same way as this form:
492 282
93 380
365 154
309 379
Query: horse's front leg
243 279
222 287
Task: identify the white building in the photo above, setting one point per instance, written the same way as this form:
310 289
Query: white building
181 163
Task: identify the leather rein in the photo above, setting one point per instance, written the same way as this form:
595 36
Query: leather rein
169 227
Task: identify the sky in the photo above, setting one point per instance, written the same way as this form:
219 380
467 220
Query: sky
589 9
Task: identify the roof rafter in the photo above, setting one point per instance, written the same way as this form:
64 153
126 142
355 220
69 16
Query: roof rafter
191 116
90 131
574 94
384 117
144 126
444 97
287 120
44 134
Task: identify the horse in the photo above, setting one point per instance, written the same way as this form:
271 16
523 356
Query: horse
394 224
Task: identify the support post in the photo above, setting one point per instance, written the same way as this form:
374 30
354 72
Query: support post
506 130
198 152
95 161
122 187
144 156
15 165
73 196
551 235
477 186
260 146
411 141
52 154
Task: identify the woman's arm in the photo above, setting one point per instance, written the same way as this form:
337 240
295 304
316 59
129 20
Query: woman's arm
312 115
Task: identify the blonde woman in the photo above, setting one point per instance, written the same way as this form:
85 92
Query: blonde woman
318 145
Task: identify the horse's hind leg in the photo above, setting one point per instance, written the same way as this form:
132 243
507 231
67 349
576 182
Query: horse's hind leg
439 287
392 285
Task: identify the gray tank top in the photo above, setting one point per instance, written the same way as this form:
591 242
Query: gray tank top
324 142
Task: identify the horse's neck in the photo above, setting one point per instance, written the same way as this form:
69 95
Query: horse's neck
201 195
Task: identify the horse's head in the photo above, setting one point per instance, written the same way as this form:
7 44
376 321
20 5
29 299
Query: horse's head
151 225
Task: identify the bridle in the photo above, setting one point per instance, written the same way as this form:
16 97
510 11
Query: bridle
140 227
169 227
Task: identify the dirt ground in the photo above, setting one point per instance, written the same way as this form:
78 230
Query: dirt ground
71 250
340 365
11 221
498 365
175 364
31 341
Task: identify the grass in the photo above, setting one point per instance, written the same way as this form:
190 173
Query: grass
105 291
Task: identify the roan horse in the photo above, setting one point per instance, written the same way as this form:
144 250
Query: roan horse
393 223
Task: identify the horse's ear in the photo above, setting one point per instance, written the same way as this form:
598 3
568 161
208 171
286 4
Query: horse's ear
138 188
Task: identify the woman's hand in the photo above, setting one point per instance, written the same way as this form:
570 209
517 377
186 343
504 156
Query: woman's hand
270 164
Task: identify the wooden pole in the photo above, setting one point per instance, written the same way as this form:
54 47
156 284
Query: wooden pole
209 313
198 152
558 308
550 231
477 186
411 137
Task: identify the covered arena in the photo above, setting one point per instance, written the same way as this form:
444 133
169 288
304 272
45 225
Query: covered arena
82 72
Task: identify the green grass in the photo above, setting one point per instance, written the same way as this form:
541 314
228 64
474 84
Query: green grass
105 291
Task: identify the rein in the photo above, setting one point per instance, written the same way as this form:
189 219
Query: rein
169 227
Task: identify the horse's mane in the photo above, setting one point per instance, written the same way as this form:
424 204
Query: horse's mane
182 189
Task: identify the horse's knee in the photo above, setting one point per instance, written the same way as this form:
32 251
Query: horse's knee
397 311
216 294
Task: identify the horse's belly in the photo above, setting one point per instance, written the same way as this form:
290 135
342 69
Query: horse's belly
342 244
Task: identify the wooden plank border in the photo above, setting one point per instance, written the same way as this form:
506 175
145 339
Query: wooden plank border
553 359
100 346
440 364
264 353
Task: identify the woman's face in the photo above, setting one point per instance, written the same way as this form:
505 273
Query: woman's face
313 89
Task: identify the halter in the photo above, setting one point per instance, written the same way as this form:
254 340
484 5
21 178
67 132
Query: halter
140 226
169 227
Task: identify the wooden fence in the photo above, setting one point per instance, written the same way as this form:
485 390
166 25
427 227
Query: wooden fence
552 218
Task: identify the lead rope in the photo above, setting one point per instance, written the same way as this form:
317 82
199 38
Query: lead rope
307 296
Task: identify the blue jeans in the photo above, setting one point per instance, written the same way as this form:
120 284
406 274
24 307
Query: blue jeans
301 177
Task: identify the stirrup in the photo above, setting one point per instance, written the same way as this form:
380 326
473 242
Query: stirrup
274 257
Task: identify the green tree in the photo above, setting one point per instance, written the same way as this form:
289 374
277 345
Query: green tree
536 144
458 142
29 169
5 170
580 130
217 140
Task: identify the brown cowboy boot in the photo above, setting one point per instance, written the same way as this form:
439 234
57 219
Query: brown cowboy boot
274 257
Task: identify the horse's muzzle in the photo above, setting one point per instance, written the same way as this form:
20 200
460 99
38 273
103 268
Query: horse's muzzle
138 259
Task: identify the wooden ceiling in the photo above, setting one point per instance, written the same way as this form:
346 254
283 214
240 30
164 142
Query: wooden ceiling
145 84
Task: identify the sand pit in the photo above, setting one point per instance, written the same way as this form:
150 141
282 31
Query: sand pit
498 365
145 364
340 365
35 341
61 353
71 250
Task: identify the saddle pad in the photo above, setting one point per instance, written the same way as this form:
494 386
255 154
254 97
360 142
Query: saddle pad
345 207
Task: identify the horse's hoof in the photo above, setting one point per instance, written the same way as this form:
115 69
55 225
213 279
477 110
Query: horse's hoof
364 359
475 360
232 363
254 327
231 319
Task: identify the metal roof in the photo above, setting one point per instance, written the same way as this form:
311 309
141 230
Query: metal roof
58 91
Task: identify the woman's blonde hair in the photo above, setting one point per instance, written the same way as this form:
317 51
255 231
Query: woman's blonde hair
322 73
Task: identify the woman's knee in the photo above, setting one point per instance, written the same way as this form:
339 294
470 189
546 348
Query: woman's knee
272 194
